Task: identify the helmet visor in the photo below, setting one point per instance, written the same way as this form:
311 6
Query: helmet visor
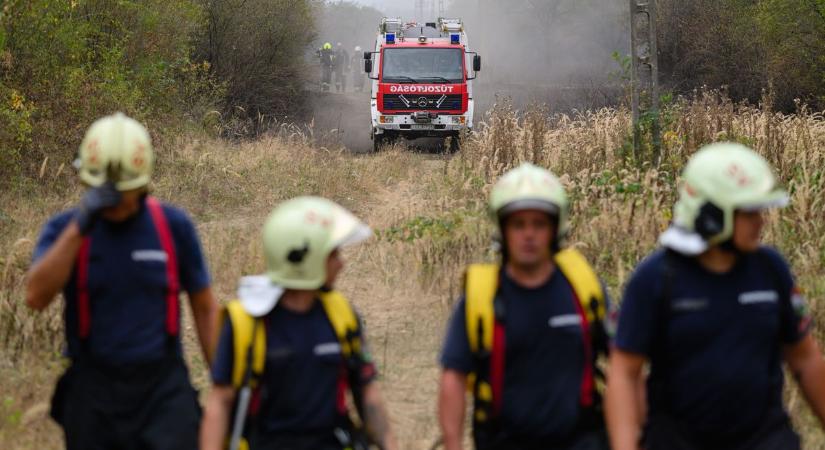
348 229
776 199
529 204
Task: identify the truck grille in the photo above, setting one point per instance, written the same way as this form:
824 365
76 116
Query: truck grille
437 102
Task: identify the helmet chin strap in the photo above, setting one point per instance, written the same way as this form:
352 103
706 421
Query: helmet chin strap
729 247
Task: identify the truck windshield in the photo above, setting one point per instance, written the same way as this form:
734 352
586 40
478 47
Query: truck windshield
423 65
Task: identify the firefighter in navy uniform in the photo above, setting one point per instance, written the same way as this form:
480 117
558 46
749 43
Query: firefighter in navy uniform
341 66
121 258
357 69
525 336
715 314
326 57
288 384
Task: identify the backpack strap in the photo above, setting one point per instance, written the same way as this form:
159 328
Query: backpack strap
345 324
585 282
248 345
167 244
485 334
590 305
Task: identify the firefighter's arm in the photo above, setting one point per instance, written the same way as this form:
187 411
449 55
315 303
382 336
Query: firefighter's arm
49 275
205 312
451 408
806 364
376 419
622 400
215 423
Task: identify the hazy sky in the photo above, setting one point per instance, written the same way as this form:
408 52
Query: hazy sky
403 8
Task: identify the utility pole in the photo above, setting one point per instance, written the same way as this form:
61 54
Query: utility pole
644 77
419 10
429 10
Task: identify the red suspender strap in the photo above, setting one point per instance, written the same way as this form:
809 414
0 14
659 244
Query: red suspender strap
84 314
497 366
587 386
168 246
341 391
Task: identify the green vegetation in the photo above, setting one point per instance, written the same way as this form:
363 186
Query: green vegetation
65 63
172 64
746 45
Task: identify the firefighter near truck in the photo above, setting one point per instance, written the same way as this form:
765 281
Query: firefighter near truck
422 77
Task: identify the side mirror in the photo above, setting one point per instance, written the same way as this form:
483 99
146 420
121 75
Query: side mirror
367 56
368 65
476 63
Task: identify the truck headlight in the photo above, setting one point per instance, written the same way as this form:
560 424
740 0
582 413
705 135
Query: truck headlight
386 119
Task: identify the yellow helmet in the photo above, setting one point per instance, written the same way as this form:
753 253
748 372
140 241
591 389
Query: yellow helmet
116 148
327 46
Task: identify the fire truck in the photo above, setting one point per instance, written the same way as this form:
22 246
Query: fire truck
421 81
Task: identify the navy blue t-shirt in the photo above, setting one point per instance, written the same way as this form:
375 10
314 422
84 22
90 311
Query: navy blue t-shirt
544 360
302 371
714 340
127 284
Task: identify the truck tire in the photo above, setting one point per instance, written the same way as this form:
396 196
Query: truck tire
455 144
377 142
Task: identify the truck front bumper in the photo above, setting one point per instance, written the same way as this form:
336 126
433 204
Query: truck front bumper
408 122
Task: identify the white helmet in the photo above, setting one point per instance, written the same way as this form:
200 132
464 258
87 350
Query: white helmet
301 233
298 237
718 180
116 148
357 48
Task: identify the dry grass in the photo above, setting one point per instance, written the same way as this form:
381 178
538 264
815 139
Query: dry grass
228 189
619 206
430 218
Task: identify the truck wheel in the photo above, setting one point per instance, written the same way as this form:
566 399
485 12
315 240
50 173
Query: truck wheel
377 142
455 144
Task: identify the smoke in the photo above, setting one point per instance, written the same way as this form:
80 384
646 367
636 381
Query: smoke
349 23
553 42
554 51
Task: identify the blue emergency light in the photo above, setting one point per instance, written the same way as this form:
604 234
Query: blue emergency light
390 38
455 38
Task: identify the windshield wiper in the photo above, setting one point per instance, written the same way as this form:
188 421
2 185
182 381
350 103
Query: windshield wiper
440 79
400 79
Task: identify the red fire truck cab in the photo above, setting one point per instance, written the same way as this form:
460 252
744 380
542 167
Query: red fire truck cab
422 81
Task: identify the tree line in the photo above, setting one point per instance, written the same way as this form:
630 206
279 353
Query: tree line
169 63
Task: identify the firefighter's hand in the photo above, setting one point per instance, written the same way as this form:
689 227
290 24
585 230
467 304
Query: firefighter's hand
94 201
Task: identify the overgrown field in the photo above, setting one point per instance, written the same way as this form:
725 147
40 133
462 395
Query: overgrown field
430 219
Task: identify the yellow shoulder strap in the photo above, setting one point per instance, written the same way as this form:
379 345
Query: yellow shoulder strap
343 320
243 325
585 283
481 283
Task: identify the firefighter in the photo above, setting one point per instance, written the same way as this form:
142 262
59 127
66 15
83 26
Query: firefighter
524 337
341 68
357 68
121 258
326 57
308 348
716 314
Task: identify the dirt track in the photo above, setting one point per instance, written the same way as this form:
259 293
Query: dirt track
342 119
404 321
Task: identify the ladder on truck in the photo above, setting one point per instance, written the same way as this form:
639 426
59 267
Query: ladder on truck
392 25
